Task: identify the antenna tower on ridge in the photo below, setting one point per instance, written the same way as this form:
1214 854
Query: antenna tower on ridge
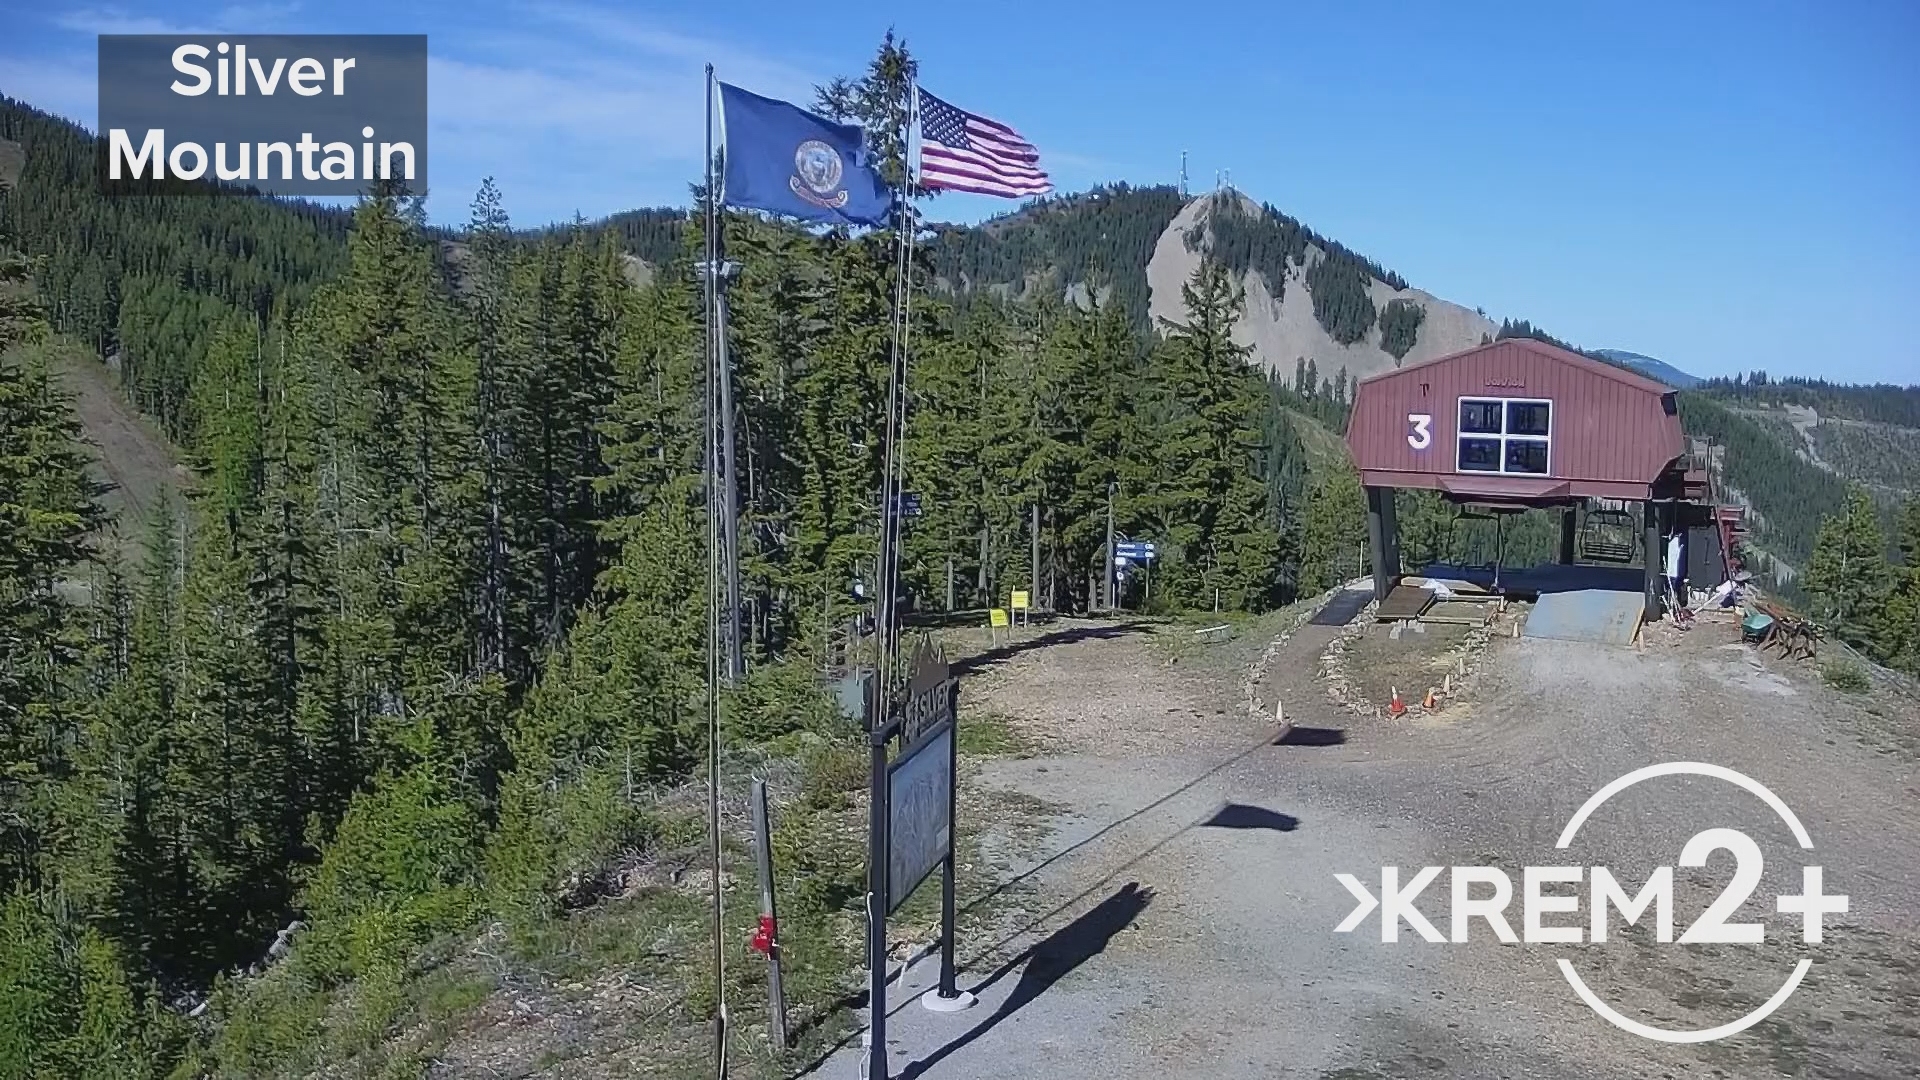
1183 174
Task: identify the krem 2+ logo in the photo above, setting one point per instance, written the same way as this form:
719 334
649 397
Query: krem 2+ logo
1395 901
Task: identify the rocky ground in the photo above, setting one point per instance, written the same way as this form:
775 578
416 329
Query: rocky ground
1186 898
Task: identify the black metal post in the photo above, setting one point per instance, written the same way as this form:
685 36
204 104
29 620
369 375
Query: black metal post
735 660
948 916
1499 520
1376 544
711 240
1652 556
1390 536
1109 582
1033 595
877 909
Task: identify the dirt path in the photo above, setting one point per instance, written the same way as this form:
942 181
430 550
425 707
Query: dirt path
1192 898
131 454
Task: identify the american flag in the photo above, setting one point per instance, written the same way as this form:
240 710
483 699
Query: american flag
963 152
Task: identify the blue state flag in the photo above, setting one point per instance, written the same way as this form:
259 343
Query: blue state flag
786 160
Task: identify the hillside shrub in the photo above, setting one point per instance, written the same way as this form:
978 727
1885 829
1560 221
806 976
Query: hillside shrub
1846 676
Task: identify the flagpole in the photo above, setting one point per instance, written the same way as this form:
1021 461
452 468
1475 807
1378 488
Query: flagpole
911 235
886 577
892 462
710 238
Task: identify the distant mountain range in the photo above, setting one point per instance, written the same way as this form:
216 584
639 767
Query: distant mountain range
1652 368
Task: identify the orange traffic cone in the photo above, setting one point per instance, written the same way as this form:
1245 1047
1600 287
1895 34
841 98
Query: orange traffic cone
1432 702
1396 707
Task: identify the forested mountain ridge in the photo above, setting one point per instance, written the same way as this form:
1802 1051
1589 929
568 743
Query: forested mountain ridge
1309 298
13 157
1095 243
1885 403
1790 449
149 282
1651 367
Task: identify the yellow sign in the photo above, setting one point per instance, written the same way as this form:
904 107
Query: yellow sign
1019 601
997 617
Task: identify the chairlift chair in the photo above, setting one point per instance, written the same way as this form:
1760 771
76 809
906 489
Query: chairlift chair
1498 516
1460 514
1600 536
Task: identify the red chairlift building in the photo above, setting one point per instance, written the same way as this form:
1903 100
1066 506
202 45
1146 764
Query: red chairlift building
1520 423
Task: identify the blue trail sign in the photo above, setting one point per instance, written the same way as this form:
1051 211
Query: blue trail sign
907 504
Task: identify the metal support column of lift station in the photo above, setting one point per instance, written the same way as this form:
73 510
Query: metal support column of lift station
1652 515
1383 540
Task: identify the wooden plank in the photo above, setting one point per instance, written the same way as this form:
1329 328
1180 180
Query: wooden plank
1454 611
1404 602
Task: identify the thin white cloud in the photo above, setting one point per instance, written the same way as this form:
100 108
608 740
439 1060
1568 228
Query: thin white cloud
571 106
258 18
619 34
474 97
232 19
92 21
65 88
583 108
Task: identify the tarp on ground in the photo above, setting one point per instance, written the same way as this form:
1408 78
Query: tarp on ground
1604 616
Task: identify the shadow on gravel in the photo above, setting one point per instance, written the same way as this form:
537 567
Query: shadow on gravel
858 999
1312 736
1242 816
1048 961
1001 654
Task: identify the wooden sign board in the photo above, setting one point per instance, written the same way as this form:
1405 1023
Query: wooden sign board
920 781
919 815
930 697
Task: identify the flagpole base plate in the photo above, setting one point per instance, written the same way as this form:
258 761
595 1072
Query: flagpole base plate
933 1002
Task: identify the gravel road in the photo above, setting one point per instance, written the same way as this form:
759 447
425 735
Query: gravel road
1194 900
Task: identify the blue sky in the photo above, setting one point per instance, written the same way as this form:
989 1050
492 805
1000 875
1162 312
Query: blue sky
1724 185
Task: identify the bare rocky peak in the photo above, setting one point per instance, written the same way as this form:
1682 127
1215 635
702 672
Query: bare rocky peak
1283 331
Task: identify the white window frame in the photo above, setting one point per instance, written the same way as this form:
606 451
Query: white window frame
1501 436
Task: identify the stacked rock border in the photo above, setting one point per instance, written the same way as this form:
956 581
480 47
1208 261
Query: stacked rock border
1260 709
1464 663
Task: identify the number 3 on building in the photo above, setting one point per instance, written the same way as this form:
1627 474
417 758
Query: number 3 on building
1422 434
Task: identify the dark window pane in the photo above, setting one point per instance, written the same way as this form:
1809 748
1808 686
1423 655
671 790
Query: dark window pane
1527 456
1479 455
1480 417
1524 418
